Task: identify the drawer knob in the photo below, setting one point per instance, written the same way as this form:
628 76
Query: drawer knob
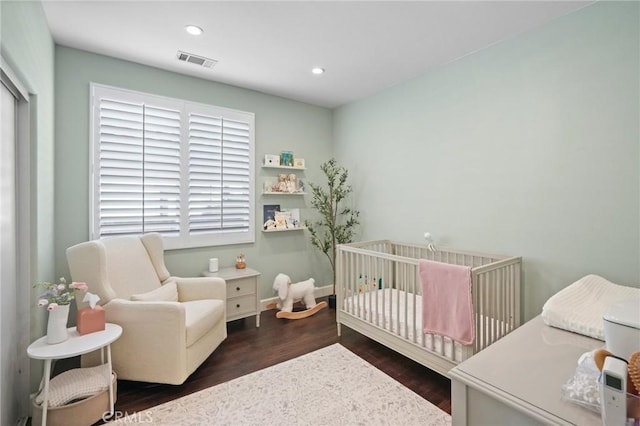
237 305
237 288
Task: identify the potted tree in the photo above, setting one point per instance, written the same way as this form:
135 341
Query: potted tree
337 223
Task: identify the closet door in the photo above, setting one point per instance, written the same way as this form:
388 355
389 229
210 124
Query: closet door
8 244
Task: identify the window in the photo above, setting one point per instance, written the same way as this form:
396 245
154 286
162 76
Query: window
164 165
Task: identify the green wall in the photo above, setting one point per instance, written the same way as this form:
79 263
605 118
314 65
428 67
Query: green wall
528 147
281 124
28 49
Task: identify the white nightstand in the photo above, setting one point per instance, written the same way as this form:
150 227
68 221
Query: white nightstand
243 292
74 346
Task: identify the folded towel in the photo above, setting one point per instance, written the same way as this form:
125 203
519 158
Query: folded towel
447 308
580 306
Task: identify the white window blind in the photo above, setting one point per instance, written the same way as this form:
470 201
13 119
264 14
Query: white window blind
170 166
219 176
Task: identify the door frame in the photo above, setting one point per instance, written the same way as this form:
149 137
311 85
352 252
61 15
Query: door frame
24 224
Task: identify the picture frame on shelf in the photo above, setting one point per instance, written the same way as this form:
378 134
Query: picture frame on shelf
269 212
293 221
286 158
282 219
271 160
298 162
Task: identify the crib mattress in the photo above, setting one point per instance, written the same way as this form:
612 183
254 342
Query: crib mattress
400 313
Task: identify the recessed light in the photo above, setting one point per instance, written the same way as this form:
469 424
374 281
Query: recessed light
193 29
317 70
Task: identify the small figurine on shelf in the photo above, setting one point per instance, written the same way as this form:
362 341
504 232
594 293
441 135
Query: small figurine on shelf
240 263
282 183
291 184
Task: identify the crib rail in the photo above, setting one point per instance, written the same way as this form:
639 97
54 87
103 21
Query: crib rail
378 283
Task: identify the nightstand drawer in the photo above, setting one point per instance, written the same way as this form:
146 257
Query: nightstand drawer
241 305
241 287
243 290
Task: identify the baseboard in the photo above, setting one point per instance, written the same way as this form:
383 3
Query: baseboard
319 292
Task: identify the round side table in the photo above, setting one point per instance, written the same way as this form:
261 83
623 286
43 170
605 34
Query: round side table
75 345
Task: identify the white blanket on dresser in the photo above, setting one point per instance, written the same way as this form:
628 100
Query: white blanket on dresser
580 307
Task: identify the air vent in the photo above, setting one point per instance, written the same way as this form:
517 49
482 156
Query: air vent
195 59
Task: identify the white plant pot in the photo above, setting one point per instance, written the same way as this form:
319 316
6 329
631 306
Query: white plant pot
57 325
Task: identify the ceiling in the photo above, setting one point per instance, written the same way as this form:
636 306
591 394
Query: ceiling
269 46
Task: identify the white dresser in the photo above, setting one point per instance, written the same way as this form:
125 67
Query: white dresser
243 290
518 380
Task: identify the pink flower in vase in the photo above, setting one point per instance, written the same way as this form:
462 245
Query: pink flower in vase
52 306
43 302
79 285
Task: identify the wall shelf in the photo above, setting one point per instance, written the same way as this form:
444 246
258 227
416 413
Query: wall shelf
285 179
283 167
299 228
283 193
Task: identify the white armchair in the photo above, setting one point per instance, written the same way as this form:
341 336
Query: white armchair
170 325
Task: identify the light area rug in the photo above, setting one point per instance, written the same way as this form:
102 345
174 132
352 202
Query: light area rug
331 386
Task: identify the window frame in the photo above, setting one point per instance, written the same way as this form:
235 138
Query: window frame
184 240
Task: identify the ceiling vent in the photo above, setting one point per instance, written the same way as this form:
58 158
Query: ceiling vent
195 59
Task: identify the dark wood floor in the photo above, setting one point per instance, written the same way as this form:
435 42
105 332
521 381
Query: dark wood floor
249 349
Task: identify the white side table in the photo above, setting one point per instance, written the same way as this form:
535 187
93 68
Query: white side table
75 345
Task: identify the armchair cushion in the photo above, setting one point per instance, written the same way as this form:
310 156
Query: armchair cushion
128 268
201 316
165 293
200 288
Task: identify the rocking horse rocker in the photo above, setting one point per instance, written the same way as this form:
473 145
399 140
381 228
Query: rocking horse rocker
289 293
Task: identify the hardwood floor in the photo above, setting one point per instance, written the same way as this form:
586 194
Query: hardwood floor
249 349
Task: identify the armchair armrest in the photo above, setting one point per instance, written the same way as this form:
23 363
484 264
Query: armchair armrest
198 288
153 345
150 318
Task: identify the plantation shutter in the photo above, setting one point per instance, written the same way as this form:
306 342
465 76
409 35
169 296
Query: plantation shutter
161 175
205 173
164 165
236 178
121 153
139 169
219 176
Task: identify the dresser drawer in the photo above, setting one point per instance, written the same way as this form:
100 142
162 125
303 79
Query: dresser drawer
241 287
242 292
241 305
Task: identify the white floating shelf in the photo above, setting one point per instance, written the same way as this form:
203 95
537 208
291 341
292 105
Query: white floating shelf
300 228
283 193
283 167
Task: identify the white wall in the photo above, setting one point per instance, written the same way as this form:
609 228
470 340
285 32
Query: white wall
528 147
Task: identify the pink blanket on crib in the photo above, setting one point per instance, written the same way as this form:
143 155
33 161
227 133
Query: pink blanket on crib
447 308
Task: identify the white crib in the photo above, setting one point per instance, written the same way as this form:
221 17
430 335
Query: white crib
379 295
